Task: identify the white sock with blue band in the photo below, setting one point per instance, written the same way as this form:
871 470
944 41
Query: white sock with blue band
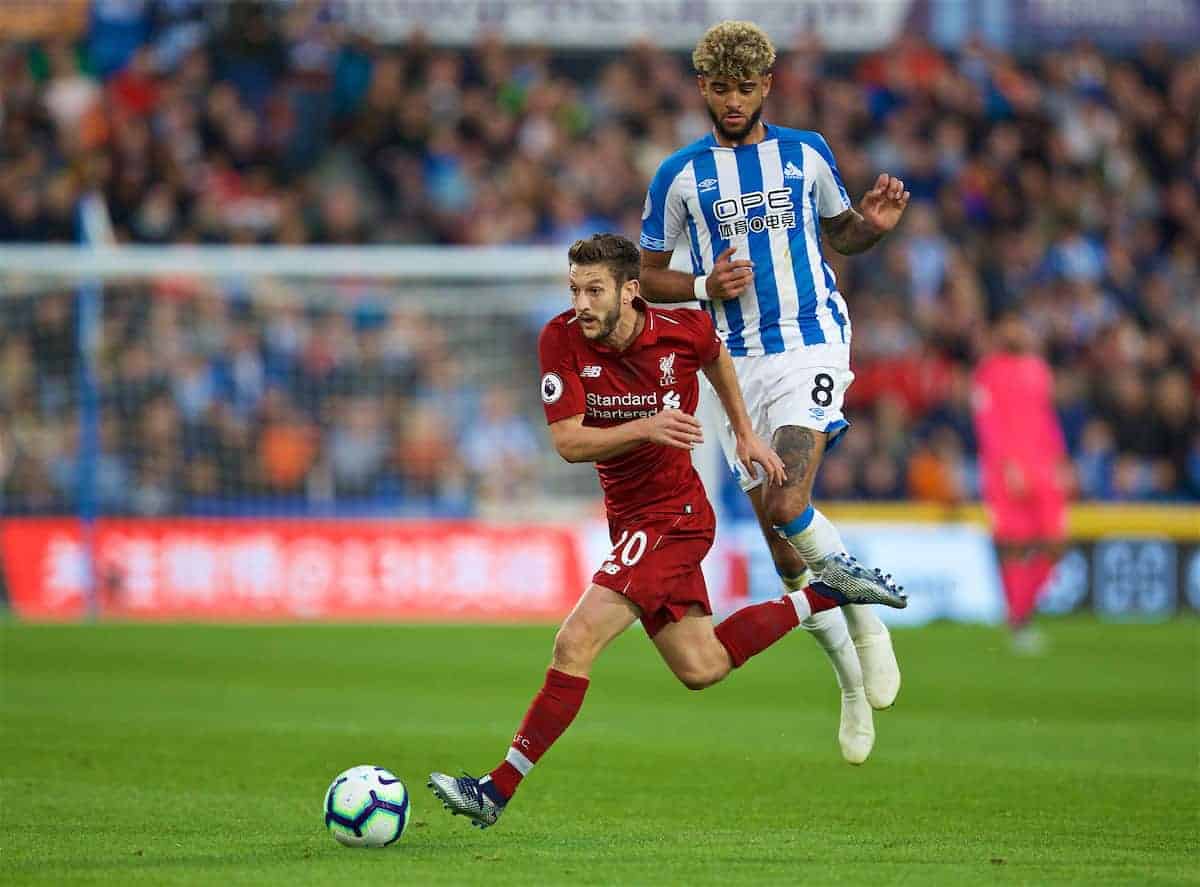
829 630
815 538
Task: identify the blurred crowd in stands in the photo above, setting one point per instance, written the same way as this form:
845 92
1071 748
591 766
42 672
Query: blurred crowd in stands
1067 186
211 400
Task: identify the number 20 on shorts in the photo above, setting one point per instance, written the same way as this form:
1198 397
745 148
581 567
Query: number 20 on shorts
629 548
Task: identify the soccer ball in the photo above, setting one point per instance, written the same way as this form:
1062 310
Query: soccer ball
366 807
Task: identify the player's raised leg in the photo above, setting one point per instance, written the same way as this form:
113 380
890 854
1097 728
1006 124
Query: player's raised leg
856 726
600 615
790 510
700 654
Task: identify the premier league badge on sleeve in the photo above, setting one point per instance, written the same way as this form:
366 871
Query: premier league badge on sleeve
552 387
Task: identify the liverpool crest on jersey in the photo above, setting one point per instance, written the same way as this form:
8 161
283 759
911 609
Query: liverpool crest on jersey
666 366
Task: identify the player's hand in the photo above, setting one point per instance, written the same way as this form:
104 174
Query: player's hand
751 449
729 278
884 204
674 428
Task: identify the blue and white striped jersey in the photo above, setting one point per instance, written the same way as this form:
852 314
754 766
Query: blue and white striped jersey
766 200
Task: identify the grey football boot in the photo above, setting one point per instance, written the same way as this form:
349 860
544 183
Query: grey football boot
464 795
846 581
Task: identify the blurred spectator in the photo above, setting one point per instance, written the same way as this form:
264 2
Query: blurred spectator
287 447
1095 460
425 457
357 446
500 449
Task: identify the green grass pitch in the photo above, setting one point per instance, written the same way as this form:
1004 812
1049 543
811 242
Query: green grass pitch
200 755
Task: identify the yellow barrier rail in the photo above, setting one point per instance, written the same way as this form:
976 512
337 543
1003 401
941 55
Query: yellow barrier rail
1084 521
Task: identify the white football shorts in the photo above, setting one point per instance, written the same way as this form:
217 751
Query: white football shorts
785 389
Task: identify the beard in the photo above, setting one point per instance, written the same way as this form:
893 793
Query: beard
736 135
606 323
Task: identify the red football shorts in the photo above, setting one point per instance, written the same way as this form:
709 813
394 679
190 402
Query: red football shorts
1042 515
655 563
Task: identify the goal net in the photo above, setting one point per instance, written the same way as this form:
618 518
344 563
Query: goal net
220 382
236 389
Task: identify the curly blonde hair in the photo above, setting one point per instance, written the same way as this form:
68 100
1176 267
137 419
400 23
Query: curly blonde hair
733 49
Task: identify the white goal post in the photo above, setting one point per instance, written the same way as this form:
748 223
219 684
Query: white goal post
533 264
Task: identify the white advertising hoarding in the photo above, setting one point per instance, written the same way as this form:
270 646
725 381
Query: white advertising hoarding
841 25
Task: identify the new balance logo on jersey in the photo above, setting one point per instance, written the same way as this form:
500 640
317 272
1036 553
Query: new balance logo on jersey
791 171
670 401
590 372
666 366
706 185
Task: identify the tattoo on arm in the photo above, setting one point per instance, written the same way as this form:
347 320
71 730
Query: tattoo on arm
797 447
850 233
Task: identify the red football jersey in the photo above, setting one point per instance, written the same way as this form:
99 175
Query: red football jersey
657 371
1015 419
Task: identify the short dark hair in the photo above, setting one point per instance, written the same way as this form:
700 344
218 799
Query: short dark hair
619 253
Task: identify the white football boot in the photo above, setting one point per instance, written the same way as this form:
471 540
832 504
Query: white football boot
856 731
881 671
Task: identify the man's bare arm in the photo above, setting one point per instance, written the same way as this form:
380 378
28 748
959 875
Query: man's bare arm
849 233
576 442
727 280
662 284
853 231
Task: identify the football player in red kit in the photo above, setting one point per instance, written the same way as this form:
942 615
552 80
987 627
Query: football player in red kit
1022 462
619 387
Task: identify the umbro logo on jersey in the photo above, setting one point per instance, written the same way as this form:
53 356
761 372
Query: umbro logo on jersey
791 171
706 185
590 372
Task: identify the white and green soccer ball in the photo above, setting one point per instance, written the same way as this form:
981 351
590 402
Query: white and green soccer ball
366 807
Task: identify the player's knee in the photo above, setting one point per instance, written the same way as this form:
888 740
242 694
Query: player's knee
699 676
783 509
574 648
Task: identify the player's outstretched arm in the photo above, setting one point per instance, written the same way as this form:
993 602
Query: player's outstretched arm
727 280
856 231
750 447
660 283
576 442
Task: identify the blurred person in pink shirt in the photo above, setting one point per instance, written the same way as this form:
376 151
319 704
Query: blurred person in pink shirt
1022 460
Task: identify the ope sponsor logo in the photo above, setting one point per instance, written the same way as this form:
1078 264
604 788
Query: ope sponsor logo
733 213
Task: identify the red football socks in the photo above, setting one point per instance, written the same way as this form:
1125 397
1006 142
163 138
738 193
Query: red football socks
1041 567
818 603
552 711
752 629
1018 582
